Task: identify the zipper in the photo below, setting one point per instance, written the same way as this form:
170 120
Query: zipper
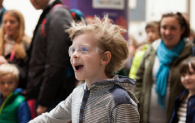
5 102
189 111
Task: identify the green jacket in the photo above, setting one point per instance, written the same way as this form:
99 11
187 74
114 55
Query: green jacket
144 80
8 110
136 62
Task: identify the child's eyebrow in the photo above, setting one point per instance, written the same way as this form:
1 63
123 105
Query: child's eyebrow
81 45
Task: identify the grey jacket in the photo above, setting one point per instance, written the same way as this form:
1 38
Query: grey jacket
144 80
106 101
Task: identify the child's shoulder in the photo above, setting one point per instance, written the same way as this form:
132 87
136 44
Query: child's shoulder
120 95
18 97
122 91
80 87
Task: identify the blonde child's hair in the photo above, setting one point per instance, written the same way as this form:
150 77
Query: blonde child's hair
7 68
108 37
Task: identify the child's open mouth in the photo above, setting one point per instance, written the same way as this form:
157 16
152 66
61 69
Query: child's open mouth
78 67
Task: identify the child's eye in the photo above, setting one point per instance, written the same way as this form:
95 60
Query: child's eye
10 82
73 50
191 73
183 75
83 49
2 83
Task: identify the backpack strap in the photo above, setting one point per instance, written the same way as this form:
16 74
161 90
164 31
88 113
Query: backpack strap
76 14
73 15
47 17
43 27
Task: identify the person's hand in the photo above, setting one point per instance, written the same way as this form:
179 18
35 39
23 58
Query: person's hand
41 109
2 60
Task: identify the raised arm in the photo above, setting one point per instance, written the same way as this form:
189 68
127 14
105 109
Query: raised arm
60 114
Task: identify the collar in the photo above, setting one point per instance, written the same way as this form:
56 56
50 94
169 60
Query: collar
156 43
183 95
101 81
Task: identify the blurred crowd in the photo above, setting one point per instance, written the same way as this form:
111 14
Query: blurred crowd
157 65
37 70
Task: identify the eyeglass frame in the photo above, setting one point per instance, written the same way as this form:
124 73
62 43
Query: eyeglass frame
97 49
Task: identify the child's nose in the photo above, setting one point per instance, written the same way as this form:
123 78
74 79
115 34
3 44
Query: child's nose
75 54
6 85
186 77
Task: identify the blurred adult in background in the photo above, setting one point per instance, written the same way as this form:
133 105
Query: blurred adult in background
152 31
158 78
2 11
14 43
132 45
50 75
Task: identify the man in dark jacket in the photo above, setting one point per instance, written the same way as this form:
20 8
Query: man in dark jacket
49 71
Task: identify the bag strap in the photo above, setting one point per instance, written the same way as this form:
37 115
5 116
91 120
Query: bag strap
12 54
47 16
43 27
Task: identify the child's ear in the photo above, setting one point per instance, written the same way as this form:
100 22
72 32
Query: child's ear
106 58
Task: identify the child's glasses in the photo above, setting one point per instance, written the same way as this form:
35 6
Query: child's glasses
83 50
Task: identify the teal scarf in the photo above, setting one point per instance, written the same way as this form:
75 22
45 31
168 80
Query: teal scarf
166 57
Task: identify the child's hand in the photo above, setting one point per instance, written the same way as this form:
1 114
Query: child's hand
41 109
2 60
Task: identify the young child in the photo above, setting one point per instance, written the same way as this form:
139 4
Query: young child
13 107
97 51
184 111
152 31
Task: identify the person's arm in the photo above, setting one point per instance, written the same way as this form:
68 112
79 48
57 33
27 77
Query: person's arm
134 67
23 113
125 113
60 114
140 75
57 56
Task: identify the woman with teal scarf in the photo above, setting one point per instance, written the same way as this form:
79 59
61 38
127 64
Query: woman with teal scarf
158 78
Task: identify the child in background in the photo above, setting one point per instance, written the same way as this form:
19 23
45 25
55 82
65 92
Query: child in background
152 31
13 107
184 111
97 51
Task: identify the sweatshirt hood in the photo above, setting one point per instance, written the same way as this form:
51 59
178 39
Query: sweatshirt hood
124 82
